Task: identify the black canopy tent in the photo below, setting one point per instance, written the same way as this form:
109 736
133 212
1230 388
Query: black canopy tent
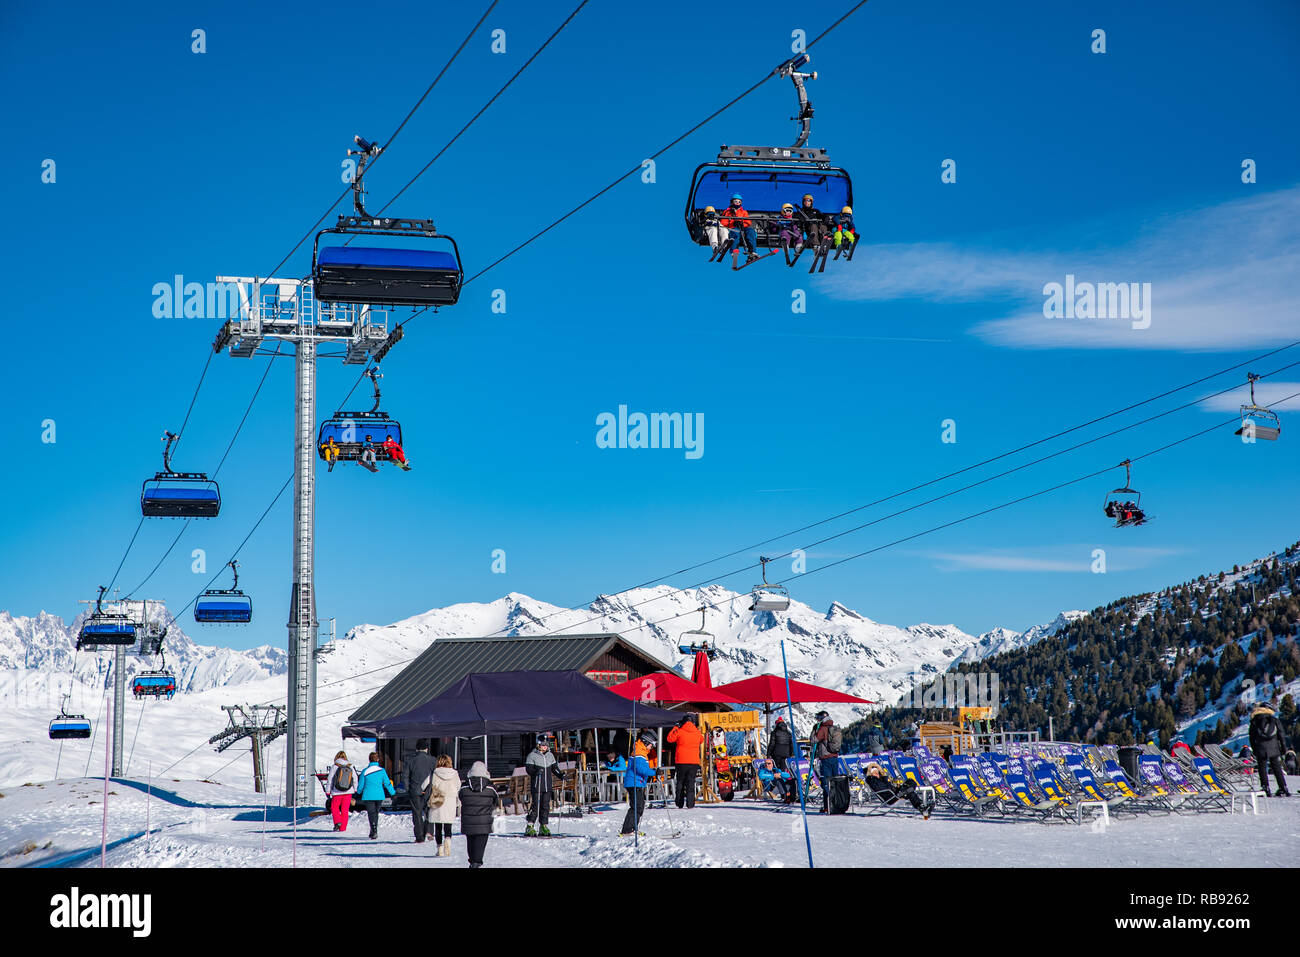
516 701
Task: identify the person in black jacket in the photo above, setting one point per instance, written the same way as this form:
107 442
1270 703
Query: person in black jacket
541 768
1266 741
780 744
419 776
478 802
886 792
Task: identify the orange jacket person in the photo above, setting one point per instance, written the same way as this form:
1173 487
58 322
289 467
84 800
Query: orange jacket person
689 739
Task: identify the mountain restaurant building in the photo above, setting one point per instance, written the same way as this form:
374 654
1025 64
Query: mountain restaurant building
607 659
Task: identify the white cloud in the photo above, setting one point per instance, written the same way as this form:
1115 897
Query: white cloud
1267 393
1222 277
1056 558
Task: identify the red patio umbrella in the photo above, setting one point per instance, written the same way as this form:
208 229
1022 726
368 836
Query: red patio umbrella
666 687
768 690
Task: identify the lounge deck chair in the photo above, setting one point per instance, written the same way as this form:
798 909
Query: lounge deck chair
1212 781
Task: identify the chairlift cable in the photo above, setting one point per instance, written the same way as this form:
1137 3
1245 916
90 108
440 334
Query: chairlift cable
485 106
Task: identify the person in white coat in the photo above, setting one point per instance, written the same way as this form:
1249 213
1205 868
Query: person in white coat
342 785
444 803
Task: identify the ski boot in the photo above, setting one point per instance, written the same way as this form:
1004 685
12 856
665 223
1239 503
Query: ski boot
530 831
545 831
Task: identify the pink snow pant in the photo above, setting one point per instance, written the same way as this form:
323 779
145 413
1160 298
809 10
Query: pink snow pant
340 804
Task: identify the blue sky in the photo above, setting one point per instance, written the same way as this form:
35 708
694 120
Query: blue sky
1115 167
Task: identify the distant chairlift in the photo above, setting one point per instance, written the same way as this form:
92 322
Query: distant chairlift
224 606
179 494
68 725
769 597
106 629
1124 504
359 436
384 276
1257 421
697 640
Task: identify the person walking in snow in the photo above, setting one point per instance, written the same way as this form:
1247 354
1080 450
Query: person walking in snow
343 784
478 802
686 759
374 786
419 779
1267 743
780 744
635 780
444 803
541 768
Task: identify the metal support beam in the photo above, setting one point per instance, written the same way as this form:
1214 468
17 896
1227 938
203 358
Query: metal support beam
301 763
119 708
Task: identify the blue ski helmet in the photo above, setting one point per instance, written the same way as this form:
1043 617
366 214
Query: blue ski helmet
737 196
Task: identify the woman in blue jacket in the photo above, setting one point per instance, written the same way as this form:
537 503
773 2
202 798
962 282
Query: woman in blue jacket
372 787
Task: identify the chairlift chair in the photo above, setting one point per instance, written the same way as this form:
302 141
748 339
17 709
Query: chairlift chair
106 629
1116 506
697 640
769 597
356 432
224 606
171 494
384 276
66 726
1256 420
769 176
154 684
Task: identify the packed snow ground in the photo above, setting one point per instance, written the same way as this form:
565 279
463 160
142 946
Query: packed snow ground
199 824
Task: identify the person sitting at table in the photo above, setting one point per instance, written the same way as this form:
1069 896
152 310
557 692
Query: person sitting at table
615 762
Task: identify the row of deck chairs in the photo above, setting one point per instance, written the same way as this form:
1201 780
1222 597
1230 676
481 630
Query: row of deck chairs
1044 781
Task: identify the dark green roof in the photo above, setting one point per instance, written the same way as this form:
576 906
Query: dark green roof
448 660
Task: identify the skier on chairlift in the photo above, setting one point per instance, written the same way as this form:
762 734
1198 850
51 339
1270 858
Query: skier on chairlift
716 232
814 223
396 454
791 234
737 220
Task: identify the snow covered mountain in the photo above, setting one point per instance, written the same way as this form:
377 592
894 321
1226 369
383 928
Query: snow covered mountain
998 640
839 648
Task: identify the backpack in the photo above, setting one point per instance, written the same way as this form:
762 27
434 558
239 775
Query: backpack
1267 728
343 778
834 740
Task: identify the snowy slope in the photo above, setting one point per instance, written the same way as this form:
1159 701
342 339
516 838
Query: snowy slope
207 825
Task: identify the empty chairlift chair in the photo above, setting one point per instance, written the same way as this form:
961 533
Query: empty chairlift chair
68 726
384 276
1258 422
106 629
172 494
769 597
224 606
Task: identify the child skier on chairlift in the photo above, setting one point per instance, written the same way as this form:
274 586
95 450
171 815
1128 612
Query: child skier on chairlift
715 231
844 232
331 451
791 234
